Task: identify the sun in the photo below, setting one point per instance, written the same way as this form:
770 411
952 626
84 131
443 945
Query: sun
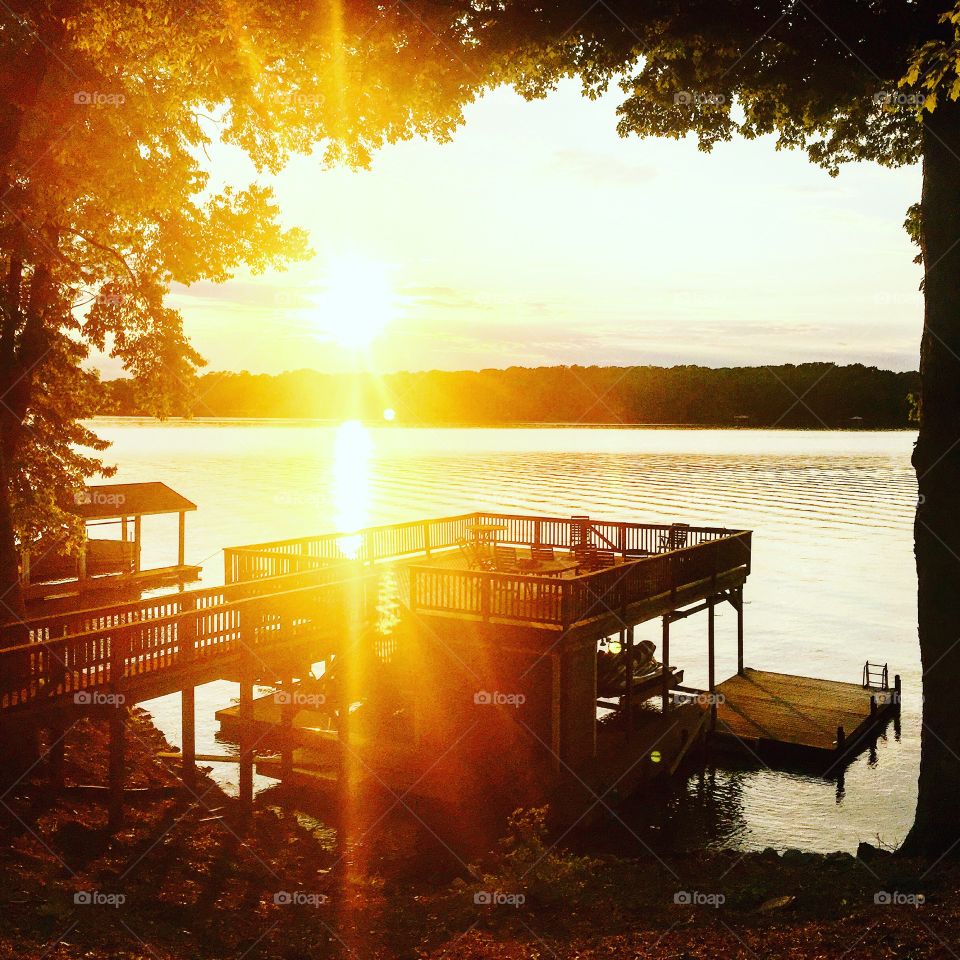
357 303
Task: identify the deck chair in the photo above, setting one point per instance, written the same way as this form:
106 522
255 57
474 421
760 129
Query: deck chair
584 555
676 537
469 552
476 559
505 559
542 553
598 559
602 559
579 532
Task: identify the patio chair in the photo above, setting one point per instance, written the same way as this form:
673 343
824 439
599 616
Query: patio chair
601 559
468 550
584 556
505 559
542 553
579 532
676 537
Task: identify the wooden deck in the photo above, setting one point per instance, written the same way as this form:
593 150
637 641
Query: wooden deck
122 585
288 605
761 710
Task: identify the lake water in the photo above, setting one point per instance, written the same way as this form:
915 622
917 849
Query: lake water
833 582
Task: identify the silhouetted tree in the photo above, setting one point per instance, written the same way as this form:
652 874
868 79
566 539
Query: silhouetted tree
843 80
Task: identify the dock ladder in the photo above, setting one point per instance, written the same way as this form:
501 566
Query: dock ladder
876 676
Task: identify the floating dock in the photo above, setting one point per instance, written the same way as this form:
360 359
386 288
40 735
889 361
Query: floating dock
761 711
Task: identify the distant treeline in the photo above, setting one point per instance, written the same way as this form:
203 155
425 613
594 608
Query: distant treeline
810 395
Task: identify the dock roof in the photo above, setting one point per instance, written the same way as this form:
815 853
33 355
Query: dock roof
108 501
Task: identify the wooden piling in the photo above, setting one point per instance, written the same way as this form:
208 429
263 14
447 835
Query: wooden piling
246 743
287 712
57 753
246 712
188 770
712 667
117 764
665 644
739 607
119 648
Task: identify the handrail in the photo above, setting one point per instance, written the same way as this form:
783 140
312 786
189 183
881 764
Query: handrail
578 598
422 536
72 651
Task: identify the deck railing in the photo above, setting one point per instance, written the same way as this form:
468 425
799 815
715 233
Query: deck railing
566 601
425 537
109 647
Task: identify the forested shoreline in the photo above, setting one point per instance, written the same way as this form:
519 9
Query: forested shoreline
812 395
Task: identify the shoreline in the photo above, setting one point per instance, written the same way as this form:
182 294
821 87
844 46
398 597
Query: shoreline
188 880
517 425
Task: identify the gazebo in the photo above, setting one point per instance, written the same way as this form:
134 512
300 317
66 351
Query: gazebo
110 563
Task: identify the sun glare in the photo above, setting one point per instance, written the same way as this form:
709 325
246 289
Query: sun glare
352 452
358 302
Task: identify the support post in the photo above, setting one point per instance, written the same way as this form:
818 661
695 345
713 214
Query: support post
57 752
665 650
555 700
629 681
712 676
343 688
82 560
188 767
119 647
137 530
246 714
739 606
288 710
117 763
181 538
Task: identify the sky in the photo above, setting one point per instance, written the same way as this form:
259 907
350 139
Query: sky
539 236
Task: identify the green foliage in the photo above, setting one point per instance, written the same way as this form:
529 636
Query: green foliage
915 402
108 111
527 863
934 68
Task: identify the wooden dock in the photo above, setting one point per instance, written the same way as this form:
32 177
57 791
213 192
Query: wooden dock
760 711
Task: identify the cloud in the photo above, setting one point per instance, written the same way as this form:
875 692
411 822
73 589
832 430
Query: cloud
602 168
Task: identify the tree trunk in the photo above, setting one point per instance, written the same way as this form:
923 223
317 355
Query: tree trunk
11 592
936 459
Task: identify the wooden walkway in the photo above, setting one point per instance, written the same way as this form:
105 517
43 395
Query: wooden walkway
760 709
290 604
